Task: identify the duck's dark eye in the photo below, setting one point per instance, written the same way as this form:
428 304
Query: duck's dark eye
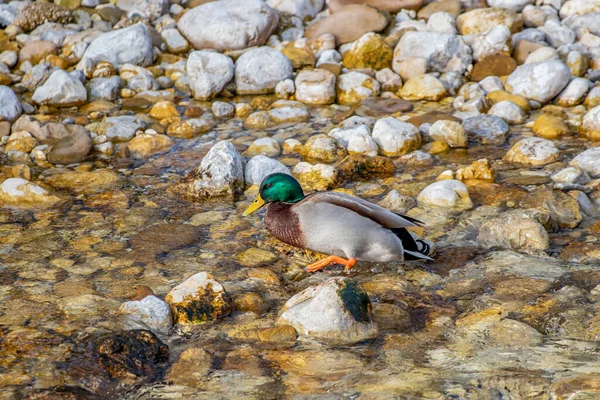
268 185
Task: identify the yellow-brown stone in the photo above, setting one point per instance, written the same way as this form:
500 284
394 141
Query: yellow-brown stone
370 51
500 95
549 126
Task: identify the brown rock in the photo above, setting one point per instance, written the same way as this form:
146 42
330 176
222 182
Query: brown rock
452 7
550 127
478 170
37 51
249 302
523 49
193 365
380 107
299 56
431 118
495 65
500 95
349 23
38 13
580 386
193 112
141 292
281 333
162 238
84 182
392 6
357 166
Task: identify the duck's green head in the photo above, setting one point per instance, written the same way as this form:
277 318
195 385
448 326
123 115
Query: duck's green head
276 188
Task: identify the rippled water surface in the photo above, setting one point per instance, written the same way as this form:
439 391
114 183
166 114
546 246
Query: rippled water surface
475 323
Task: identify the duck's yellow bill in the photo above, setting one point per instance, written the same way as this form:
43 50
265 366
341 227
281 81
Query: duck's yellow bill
255 206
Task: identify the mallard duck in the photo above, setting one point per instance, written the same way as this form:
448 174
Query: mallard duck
336 224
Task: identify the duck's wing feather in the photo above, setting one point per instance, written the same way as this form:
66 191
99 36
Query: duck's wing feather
382 216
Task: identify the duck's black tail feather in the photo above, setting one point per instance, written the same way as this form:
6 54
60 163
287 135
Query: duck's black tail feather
413 249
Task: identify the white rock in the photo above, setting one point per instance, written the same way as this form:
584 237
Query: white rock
315 176
149 313
396 138
8 13
447 193
344 134
588 161
491 84
542 54
450 132
222 109
539 81
220 173
444 52
267 146
411 67
397 203
258 71
357 120
568 175
209 73
389 80
61 89
315 87
513 5
579 7
442 22
533 151
534 16
10 107
514 230
285 89
104 88
590 126
229 24
510 112
337 310
132 45
329 56
495 41
259 167
151 9
589 22
557 34
487 129
9 58
175 41
574 93
299 8
123 128
364 145
352 87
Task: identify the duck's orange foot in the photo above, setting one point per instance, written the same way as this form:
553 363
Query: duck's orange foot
329 261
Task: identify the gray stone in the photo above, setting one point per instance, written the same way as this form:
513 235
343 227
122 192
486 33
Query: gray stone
104 88
259 167
149 313
258 71
486 129
61 90
10 107
123 128
209 73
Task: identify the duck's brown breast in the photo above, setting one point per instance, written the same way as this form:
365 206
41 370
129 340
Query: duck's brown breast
284 224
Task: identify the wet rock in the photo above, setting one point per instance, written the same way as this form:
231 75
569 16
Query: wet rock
132 354
134 44
149 313
146 144
162 238
398 203
17 192
164 109
121 128
259 167
281 112
229 25
479 170
443 52
588 161
581 385
370 51
337 310
221 109
396 138
61 90
590 126
250 302
266 146
533 151
220 173
301 9
190 128
382 107
548 126
151 9
360 166
316 177
353 87
315 87
482 20
447 194
209 72
258 71
539 81
278 334
191 367
515 230
450 132
486 129
323 148
38 13
199 299
424 87
564 210
84 182
10 107
494 65
510 112
348 23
